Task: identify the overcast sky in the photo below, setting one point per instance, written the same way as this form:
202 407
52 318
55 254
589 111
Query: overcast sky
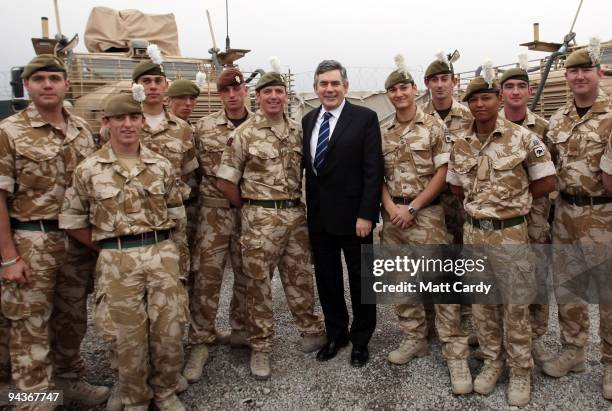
360 34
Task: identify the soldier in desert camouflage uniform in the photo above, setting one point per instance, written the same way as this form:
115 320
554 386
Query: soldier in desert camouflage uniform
440 80
125 198
43 292
263 166
219 228
416 157
582 228
516 91
499 167
606 167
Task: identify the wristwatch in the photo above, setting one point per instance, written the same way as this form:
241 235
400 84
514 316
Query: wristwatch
412 210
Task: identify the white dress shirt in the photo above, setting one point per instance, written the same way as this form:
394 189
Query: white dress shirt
314 138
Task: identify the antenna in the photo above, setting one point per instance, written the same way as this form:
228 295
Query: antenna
227 39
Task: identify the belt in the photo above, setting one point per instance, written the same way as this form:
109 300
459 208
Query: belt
273 203
191 201
585 200
408 200
35 225
137 240
495 224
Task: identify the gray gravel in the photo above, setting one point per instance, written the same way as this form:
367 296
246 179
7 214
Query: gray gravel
300 382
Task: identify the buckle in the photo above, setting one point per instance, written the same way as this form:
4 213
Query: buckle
486 224
42 226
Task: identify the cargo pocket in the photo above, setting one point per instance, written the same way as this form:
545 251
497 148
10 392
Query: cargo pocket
157 212
183 300
105 207
103 323
14 302
422 158
253 257
509 177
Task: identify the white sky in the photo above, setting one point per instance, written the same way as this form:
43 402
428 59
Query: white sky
359 33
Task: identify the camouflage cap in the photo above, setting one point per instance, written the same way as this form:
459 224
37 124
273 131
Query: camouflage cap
43 62
122 103
229 77
397 77
479 85
147 67
580 58
514 73
438 67
183 87
271 78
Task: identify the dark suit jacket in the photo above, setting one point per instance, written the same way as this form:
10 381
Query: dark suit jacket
350 182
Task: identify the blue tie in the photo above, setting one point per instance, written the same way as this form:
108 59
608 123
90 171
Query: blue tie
322 142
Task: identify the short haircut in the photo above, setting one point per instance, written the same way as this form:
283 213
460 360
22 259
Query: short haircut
330 65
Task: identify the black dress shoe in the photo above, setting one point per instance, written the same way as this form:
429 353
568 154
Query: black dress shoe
359 356
330 349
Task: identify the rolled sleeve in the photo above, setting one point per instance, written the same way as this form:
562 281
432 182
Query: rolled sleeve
75 208
190 164
177 213
453 178
7 164
441 159
228 173
541 170
606 160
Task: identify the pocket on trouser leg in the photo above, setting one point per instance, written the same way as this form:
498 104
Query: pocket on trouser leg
253 258
105 328
15 305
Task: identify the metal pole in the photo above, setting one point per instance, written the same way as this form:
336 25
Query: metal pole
57 18
227 39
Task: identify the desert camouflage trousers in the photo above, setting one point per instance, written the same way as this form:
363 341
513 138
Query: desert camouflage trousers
69 316
218 239
538 229
589 230
429 228
28 308
147 304
277 238
491 319
454 215
193 225
5 354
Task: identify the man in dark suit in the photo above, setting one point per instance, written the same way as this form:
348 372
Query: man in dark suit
344 175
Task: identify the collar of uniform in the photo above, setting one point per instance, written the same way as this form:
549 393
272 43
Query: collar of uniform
419 118
455 108
107 155
169 118
36 119
602 104
529 119
222 119
500 129
260 121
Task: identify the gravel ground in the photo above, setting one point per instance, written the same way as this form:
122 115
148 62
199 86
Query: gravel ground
300 382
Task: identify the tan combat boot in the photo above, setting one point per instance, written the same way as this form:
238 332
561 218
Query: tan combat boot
260 365
197 358
486 380
239 339
407 350
172 403
539 352
460 376
114 401
182 384
80 390
519 387
569 359
311 343
607 381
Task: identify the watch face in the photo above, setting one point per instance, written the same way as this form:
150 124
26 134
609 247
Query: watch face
412 210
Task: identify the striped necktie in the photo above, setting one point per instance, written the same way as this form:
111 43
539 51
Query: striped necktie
322 142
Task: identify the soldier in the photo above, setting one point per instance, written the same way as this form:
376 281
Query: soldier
43 289
578 136
182 98
499 167
219 228
262 169
416 157
516 92
125 201
606 167
440 80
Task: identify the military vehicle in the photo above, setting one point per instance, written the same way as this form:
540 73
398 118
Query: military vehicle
117 41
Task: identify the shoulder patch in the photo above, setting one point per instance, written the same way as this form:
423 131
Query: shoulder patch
539 151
